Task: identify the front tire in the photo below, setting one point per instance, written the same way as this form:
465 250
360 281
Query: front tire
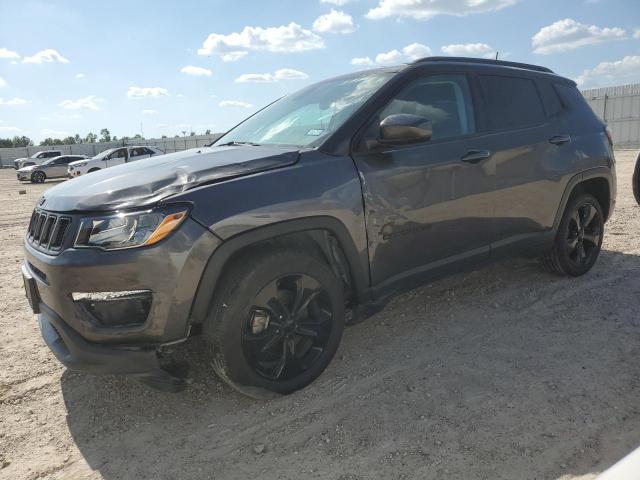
579 238
38 177
275 323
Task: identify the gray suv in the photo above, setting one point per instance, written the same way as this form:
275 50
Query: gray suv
315 210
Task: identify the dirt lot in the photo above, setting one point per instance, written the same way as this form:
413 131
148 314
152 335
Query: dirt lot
505 373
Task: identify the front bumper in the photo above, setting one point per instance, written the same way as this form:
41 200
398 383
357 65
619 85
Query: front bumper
171 270
23 176
76 353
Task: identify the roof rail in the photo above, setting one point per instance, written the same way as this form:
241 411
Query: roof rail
485 61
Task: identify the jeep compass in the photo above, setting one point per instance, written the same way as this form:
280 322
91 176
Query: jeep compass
312 213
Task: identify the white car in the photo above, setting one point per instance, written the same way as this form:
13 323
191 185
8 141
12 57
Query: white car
111 157
36 159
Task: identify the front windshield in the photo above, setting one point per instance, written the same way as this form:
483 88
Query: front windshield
307 117
47 162
103 154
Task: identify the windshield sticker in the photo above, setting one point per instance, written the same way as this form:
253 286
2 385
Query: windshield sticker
315 132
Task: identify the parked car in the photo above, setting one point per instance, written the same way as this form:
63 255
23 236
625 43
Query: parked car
110 158
53 168
36 159
329 200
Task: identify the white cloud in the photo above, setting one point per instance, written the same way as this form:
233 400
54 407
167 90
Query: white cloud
409 53
234 103
336 21
149 112
282 74
469 50
196 71
62 116
622 71
143 92
286 38
361 61
336 2
567 34
80 75
9 130
47 132
3 82
13 102
89 103
415 51
45 56
426 9
636 34
6 53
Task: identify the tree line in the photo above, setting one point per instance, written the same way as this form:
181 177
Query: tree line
105 136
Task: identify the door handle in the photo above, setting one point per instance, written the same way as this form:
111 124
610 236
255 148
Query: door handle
560 139
475 156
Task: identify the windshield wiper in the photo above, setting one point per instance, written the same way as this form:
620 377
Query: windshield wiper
234 143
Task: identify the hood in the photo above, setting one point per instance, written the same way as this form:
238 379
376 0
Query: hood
147 181
27 169
78 162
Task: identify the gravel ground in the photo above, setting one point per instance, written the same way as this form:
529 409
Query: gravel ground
504 373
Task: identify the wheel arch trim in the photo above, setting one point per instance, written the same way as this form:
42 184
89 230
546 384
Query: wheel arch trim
597 172
225 252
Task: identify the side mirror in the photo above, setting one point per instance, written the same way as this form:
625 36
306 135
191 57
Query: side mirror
404 128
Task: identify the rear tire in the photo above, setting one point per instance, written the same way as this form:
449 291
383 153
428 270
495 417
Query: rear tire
275 323
38 177
579 238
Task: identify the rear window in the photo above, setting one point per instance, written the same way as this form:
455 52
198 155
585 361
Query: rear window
512 102
571 97
550 98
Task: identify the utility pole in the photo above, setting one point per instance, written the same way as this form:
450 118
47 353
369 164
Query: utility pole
497 55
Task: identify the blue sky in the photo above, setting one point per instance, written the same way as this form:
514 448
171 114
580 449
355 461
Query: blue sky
75 66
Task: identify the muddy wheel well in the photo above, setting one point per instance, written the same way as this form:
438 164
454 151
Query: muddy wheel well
599 188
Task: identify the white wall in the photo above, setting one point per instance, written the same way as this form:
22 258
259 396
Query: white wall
168 145
620 108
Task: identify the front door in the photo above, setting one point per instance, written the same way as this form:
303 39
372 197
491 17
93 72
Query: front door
118 157
427 205
59 167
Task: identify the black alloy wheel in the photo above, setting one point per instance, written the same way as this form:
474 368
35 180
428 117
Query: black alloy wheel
584 235
578 239
38 177
288 327
275 322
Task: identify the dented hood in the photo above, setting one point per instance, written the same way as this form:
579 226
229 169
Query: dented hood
147 181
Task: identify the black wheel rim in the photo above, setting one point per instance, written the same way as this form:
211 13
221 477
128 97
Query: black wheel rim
584 235
288 327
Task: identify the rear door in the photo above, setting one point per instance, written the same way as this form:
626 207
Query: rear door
427 205
522 138
138 154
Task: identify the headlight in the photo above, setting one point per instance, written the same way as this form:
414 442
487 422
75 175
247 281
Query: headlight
78 165
129 229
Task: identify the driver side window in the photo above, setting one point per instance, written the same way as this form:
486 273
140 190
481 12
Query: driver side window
443 99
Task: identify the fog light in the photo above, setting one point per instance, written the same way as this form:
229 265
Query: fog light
116 309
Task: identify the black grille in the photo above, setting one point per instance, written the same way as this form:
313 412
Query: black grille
47 230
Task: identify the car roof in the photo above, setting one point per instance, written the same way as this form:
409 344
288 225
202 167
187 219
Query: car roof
489 64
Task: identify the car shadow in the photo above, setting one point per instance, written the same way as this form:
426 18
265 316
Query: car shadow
507 372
